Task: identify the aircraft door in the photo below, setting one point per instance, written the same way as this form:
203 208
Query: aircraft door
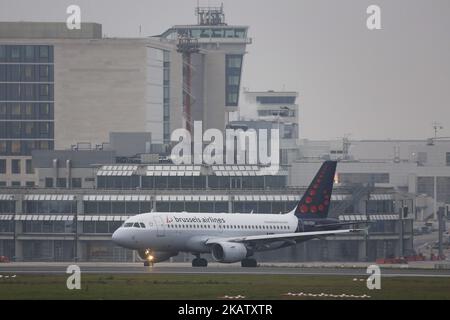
160 229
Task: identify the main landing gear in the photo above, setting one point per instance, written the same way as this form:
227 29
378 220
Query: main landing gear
249 263
199 262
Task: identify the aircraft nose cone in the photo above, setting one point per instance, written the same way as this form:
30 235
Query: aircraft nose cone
118 237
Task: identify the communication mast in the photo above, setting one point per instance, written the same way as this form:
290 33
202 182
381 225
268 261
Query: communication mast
210 16
436 127
187 46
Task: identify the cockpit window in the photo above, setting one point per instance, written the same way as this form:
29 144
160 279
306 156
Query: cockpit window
142 225
136 225
128 225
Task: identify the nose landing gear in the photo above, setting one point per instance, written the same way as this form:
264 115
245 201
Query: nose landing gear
148 263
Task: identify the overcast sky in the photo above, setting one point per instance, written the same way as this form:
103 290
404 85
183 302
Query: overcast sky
389 83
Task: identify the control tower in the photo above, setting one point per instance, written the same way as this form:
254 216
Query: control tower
212 60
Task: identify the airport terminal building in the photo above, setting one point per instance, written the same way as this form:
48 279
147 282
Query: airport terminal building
64 223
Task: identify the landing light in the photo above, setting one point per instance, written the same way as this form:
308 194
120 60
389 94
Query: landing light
150 258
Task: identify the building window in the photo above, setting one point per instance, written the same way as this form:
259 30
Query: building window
44 128
45 109
2 147
276 113
29 166
44 145
15 184
61 182
233 80
276 99
14 73
44 71
29 128
49 182
361 178
30 184
76 182
28 110
2 166
233 68
44 90
15 52
15 166
2 53
15 109
2 110
27 73
29 52
15 147
43 51
447 158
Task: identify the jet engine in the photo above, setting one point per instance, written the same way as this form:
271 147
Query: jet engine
155 256
229 252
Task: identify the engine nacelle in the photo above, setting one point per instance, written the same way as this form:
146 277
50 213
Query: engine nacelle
155 256
228 252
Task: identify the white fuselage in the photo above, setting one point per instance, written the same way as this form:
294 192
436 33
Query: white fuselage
187 232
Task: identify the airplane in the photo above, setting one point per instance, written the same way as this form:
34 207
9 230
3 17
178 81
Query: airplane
233 237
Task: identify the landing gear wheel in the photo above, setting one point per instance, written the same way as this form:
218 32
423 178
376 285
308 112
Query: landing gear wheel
199 262
249 263
146 264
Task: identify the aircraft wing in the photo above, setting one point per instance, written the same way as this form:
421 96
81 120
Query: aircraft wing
282 236
341 224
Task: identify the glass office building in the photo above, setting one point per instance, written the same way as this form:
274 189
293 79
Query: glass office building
26 98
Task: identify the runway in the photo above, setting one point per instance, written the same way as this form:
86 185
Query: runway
214 268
